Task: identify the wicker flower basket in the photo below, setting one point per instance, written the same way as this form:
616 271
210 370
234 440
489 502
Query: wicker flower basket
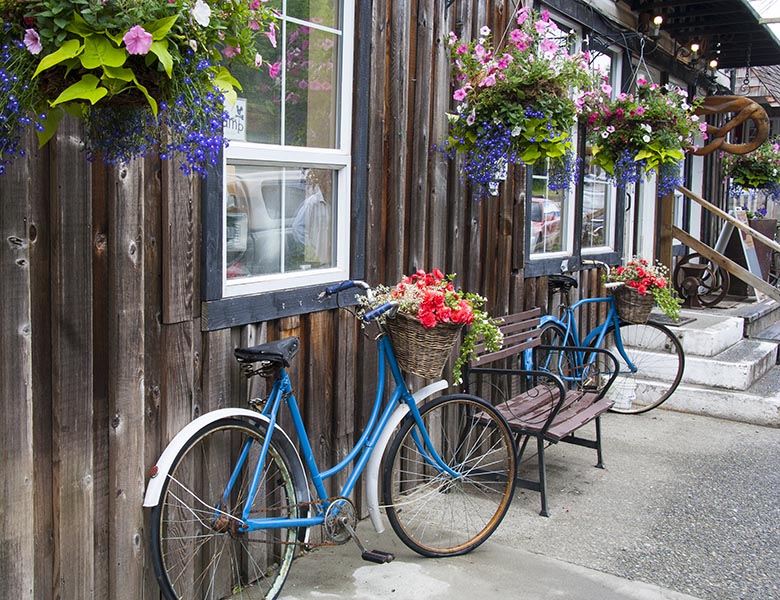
422 351
631 305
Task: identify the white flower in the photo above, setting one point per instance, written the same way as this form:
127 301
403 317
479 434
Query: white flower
485 31
646 139
516 131
605 134
201 12
193 45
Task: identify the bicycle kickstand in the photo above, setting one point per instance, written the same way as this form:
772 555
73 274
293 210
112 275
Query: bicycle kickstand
374 556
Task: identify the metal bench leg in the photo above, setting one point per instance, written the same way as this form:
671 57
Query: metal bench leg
600 463
542 477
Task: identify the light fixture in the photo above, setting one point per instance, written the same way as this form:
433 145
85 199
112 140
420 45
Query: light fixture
657 22
714 64
695 50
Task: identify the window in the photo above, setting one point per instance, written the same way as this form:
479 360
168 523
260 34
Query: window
286 178
585 219
598 194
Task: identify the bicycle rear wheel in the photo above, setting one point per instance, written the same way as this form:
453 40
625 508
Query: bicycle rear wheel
561 362
199 550
433 512
659 362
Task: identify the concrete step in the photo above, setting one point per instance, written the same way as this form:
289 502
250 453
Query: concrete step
735 368
704 334
757 316
759 404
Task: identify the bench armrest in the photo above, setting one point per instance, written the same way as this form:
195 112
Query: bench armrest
588 364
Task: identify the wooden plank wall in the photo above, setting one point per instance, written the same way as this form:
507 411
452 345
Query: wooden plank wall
103 358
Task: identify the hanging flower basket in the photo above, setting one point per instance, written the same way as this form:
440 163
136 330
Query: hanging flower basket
632 306
514 101
421 351
144 77
646 131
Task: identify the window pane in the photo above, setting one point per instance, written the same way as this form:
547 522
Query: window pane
321 12
597 201
262 93
278 220
598 195
311 87
549 214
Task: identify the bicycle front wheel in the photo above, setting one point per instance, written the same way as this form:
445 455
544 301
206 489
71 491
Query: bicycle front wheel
200 546
658 360
448 512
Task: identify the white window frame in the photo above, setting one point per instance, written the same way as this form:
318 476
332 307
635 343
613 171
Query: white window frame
281 156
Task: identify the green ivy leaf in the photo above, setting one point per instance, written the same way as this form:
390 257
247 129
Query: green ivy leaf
50 124
99 51
160 28
531 154
85 89
160 50
69 49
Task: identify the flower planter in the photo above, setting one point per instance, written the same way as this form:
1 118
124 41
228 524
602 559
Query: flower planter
422 351
632 306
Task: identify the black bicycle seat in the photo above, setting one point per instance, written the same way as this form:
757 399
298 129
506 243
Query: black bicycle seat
280 351
562 282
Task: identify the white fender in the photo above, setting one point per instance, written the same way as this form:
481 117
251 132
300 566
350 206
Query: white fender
375 460
163 466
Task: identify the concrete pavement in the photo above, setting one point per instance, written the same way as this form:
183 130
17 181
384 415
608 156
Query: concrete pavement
688 507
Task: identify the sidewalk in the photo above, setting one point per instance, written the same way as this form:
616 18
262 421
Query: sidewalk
688 507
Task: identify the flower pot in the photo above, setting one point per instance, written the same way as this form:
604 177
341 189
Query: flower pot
422 351
632 306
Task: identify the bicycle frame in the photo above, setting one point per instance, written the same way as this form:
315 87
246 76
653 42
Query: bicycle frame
595 336
361 452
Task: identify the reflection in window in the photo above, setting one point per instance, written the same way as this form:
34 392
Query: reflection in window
278 220
598 194
294 97
549 216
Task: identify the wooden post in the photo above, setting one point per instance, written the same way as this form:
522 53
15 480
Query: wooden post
665 238
72 366
126 381
17 551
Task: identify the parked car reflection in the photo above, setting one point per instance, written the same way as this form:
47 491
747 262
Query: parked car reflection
545 225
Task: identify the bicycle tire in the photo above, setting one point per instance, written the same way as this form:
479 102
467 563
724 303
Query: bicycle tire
560 363
659 359
432 512
197 550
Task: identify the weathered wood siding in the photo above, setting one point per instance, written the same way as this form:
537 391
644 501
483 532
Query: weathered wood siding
103 358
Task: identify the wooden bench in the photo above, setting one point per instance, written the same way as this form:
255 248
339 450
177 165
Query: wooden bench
537 403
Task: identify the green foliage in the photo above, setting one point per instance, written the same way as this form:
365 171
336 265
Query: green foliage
758 170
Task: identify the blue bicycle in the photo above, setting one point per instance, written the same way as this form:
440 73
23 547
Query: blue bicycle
651 358
231 500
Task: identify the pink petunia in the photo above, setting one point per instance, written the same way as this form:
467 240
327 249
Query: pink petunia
32 41
231 51
548 46
271 34
522 15
273 69
462 49
137 40
488 81
460 94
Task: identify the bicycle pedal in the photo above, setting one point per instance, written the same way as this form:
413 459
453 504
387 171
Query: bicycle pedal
377 556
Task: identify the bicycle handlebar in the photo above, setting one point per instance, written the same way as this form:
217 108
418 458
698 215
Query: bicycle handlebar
345 285
380 310
598 263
